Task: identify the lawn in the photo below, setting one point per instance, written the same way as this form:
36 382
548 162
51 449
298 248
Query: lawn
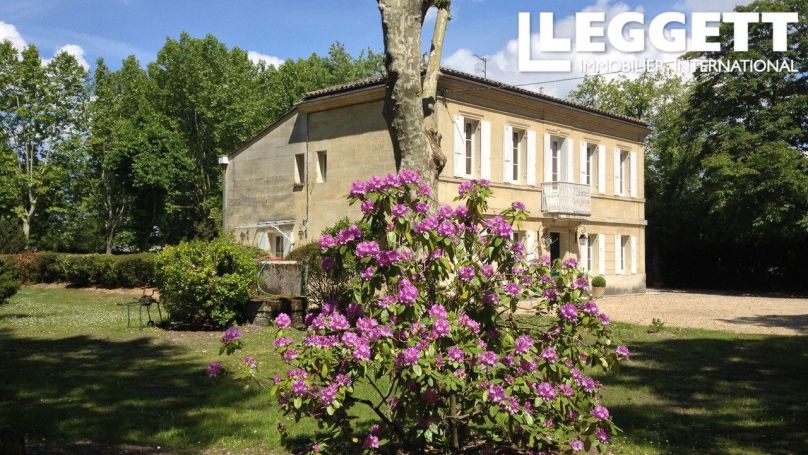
71 371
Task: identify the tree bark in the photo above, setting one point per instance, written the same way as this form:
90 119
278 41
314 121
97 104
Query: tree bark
430 86
403 109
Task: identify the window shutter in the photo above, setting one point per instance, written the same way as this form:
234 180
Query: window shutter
531 157
485 149
601 254
582 165
548 159
507 145
632 160
459 147
601 168
530 244
584 249
618 245
569 152
617 183
633 240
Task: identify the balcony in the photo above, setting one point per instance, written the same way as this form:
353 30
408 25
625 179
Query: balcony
564 198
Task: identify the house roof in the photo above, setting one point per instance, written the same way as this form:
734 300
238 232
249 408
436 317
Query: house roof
492 84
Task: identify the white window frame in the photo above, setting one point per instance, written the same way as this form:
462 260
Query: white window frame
469 147
322 166
300 168
555 158
590 252
591 157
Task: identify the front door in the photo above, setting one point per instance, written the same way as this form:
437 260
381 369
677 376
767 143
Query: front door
555 246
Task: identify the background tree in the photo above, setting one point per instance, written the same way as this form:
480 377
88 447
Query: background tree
42 110
409 98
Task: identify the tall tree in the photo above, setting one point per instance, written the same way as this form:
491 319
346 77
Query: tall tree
410 99
42 111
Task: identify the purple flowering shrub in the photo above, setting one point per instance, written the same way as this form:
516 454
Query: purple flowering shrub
430 330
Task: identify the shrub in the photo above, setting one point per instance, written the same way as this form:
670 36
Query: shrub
133 270
599 282
8 282
12 239
430 338
205 283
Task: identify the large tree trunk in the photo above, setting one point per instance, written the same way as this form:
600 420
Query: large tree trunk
403 109
430 86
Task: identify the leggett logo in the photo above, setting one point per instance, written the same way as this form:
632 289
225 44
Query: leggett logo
590 25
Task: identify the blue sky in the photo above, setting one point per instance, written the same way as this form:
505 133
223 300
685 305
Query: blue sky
279 30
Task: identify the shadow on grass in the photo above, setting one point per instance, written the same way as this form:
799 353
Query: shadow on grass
714 395
798 322
82 388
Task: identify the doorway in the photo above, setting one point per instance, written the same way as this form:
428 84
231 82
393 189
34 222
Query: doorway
555 246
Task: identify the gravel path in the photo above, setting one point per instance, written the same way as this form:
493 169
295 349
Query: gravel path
731 313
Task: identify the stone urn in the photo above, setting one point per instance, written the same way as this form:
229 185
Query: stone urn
598 287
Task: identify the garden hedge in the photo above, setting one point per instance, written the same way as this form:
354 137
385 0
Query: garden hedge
109 271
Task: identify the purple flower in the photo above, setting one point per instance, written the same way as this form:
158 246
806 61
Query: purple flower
569 312
429 223
349 234
461 212
358 188
566 390
367 249
344 380
456 354
282 341
546 391
581 282
421 207
487 358
328 394
441 328
516 205
445 211
523 344
498 226
623 351
550 294
549 354
437 311
591 307
430 396
367 273
602 435
496 393
231 334
512 289
283 321
214 369
466 273
409 177
299 387
447 229
367 206
366 324
488 270
361 351
407 292
327 241
339 322
490 298
411 355
469 323
250 362
509 405
371 442
600 412
289 355
576 445
399 210
424 190
570 263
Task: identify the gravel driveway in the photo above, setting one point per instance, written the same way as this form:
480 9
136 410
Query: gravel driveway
732 313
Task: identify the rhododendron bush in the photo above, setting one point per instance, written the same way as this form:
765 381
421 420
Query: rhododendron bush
430 332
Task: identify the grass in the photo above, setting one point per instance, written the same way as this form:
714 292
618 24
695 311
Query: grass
71 371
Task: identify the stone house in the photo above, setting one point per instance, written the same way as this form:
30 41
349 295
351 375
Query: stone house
578 170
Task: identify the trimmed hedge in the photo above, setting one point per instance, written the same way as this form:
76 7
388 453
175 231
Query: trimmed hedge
102 270
8 282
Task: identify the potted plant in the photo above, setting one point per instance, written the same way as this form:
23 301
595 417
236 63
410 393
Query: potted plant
598 286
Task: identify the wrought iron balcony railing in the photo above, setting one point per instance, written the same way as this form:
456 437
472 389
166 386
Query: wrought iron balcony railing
566 198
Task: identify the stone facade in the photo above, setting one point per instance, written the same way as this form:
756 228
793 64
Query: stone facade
277 197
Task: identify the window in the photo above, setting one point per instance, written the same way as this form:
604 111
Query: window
590 251
322 166
621 173
555 147
470 129
278 246
591 165
517 146
300 169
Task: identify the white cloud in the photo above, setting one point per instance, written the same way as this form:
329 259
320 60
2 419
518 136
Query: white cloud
503 64
710 5
76 51
9 32
269 60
